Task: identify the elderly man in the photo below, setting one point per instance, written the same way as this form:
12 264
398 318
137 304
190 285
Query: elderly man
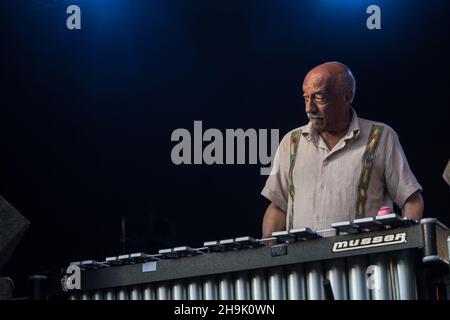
338 167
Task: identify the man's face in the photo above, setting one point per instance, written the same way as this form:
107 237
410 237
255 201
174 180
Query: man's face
324 106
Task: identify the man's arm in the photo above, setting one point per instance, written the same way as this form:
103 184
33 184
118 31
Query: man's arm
413 207
274 220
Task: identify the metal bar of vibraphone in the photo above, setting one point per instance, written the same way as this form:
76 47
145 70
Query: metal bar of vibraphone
296 283
97 295
123 294
393 278
194 289
85 296
276 281
314 281
242 286
72 297
258 284
448 247
380 288
110 294
226 289
136 293
179 290
163 291
210 288
356 267
148 292
405 273
336 273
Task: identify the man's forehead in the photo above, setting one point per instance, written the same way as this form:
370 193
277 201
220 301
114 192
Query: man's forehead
315 87
316 80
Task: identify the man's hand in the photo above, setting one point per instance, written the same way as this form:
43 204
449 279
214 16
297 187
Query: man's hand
413 207
274 220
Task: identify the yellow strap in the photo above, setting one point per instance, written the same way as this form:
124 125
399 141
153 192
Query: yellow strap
295 139
366 171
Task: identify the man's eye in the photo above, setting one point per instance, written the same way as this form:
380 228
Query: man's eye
320 99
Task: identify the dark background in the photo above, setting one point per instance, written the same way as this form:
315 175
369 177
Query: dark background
87 115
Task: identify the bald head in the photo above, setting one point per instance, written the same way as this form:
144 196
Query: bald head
329 89
337 77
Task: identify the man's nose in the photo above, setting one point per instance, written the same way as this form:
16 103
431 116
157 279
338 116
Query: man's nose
310 107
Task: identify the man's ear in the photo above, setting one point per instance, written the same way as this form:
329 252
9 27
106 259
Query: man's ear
348 97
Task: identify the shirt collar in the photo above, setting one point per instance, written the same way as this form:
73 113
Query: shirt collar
352 133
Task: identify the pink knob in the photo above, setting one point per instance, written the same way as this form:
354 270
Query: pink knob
384 211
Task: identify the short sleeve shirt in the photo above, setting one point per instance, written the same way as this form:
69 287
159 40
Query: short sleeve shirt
328 182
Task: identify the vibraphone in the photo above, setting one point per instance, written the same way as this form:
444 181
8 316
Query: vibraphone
386 257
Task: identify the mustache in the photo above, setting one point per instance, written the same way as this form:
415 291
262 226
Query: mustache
312 116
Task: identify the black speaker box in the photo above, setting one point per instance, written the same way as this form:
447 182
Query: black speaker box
12 227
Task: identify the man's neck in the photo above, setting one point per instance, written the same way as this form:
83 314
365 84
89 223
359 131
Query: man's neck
332 137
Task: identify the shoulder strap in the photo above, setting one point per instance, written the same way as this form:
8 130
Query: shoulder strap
367 165
295 139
